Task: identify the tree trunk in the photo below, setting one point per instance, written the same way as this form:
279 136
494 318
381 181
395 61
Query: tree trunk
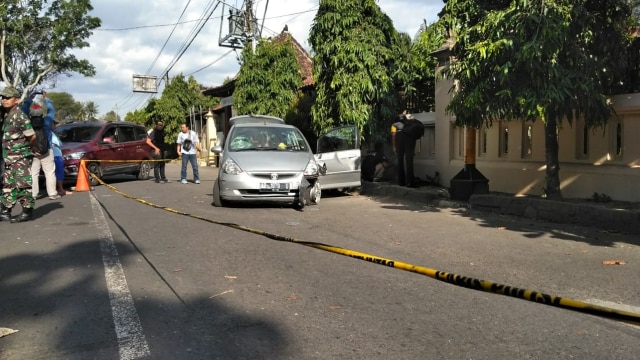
470 146
551 151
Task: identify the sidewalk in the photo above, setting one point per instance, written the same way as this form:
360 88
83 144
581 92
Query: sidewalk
617 216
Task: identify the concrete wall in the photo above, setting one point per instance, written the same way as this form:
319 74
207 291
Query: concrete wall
608 164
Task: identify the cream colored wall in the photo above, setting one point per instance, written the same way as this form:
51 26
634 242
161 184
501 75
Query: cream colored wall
600 171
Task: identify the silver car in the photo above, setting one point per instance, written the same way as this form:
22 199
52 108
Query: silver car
265 160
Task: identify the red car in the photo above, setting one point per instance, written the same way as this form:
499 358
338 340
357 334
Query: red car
123 142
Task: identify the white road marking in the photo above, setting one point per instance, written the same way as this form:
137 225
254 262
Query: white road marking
131 340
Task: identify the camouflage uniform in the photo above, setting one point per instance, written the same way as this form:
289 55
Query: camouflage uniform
17 155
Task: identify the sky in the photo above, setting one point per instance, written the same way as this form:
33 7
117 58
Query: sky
142 38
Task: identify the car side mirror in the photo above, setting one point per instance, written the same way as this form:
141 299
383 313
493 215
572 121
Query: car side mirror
216 149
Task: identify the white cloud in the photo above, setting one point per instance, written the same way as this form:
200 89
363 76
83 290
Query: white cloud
132 37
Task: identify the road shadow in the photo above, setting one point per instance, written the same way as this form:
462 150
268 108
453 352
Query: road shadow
534 228
59 303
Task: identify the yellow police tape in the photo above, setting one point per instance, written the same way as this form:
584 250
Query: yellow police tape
467 282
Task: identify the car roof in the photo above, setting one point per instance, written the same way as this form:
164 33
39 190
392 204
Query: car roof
98 123
255 120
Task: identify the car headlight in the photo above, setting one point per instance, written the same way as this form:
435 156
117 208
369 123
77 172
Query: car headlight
311 169
230 167
74 156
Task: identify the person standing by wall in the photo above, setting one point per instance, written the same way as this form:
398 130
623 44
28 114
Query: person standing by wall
404 147
188 149
157 143
16 149
44 161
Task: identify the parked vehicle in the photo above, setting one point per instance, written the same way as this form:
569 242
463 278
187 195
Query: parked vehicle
122 143
264 159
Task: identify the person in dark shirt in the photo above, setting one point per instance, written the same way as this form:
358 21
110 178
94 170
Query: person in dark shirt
375 164
156 141
404 147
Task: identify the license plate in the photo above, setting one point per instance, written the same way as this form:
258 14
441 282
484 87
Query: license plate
278 187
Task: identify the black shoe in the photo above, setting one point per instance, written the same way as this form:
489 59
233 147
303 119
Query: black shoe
5 214
27 214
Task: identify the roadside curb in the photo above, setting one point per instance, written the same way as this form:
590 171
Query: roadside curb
431 195
610 219
620 220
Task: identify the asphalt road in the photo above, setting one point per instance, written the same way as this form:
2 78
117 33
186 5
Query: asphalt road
99 275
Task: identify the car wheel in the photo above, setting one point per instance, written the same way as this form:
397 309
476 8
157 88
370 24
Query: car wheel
94 168
315 193
145 170
217 201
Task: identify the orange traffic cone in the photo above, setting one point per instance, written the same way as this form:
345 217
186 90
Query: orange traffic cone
82 183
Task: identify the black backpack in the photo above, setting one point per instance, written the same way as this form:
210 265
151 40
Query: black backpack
41 145
414 128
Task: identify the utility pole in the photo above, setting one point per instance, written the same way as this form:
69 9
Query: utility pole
243 26
249 22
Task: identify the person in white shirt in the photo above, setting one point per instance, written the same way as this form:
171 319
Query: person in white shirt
188 149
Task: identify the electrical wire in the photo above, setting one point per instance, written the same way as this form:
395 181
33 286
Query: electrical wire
169 37
195 33
200 23
212 63
190 21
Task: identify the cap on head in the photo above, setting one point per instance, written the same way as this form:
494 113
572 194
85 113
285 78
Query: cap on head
10 91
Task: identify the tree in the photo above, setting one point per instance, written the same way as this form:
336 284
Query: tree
178 99
67 109
268 80
423 65
37 38
91 110
111 115
529 60
352 41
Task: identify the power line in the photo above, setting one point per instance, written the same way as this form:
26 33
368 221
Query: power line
215 61
186 46
189 40
169 37
190 21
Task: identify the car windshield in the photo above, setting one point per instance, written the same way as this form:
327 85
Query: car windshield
76 133
264 138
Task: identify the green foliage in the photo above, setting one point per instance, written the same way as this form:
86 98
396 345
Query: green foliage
67 109
520 60
529 60
178 99
268 80
88 111
423 63
353 65
111 115
299 116
38 37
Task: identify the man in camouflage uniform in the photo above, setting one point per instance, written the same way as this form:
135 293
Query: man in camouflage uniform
16 151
